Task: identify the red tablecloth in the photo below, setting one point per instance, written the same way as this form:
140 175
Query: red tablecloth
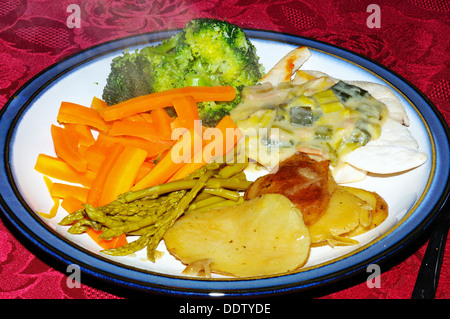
412 39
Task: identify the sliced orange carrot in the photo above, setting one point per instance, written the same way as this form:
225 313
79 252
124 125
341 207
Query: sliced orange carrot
71 204
122 174
159 174
143 170
78 114
176 123
96 190
57 168
54 209
66 148
134 118
171 162
231 132
149 118
95 154
161 121
98 104
82 150
153 149
142 129
82 133
62 190
227 136
164 99
187 111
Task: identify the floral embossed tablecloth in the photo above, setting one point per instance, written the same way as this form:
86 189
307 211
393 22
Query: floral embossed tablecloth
411 37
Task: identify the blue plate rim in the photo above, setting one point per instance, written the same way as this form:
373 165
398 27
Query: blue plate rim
60 249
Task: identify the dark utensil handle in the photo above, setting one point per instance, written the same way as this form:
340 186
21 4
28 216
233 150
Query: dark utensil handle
428 276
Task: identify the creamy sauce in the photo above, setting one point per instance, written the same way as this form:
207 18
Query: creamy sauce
329 120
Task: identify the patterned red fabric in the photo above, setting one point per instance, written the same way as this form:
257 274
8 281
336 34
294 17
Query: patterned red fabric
412 40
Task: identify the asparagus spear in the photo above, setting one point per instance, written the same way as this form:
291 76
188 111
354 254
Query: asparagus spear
149 212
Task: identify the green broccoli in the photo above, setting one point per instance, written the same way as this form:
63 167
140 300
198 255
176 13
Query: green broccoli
152 69
224 56
206 52
169 61
120 85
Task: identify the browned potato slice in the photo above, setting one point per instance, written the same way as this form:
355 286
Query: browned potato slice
380 213
345 213
262 236
367 196
305 181
377 204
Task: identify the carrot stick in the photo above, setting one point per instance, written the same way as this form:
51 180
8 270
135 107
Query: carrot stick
143 170
98 104
228 136
71 204
135 118
171 162
141 129
82 150
96 153
187 111
153 149
164 99
66 147
161 121
82 133
62 190
54 209
122 174
78 114
117 175
159 174
57 168
149 118
95 192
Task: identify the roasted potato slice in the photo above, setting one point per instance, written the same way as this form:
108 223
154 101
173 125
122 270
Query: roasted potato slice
305 181
378 206
262 236
345 212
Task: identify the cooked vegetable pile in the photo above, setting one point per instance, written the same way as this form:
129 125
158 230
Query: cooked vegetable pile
149 212
207 52
111 150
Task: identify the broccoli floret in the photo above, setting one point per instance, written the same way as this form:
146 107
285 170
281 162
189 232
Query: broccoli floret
170 62
224 52
121 85
224 56
206 52
152 69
